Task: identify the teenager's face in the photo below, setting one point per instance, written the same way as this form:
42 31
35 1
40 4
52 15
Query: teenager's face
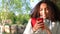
43 10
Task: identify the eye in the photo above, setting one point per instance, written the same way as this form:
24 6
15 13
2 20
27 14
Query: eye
47 10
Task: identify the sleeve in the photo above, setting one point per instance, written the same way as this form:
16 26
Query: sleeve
28 29
58 32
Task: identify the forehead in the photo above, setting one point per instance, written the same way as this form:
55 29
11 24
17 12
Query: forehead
43 5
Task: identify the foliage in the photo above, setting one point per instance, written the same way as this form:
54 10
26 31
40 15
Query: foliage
15 10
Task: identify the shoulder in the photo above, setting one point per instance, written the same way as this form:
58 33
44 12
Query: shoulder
32 19
29 20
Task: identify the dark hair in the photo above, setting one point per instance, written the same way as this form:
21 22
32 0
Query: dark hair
53 10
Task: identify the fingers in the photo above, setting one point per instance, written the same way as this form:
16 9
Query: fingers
38 25
39 21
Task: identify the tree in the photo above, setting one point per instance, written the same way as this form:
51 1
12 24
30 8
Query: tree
15 10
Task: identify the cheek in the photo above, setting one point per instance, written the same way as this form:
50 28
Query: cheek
41 13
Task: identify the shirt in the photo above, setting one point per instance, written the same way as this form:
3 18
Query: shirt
53 26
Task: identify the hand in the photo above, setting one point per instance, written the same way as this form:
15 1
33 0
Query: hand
38 25
47 30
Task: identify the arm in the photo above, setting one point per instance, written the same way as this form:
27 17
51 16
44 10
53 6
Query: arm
48 31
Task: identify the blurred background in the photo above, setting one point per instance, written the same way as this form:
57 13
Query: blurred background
14 15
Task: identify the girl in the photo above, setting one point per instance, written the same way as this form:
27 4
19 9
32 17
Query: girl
49 13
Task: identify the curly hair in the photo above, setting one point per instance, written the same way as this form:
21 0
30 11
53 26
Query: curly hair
53 9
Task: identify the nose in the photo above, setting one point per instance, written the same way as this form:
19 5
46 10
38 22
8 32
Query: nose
44 11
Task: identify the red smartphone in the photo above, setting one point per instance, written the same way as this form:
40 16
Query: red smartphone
33 21
41 21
